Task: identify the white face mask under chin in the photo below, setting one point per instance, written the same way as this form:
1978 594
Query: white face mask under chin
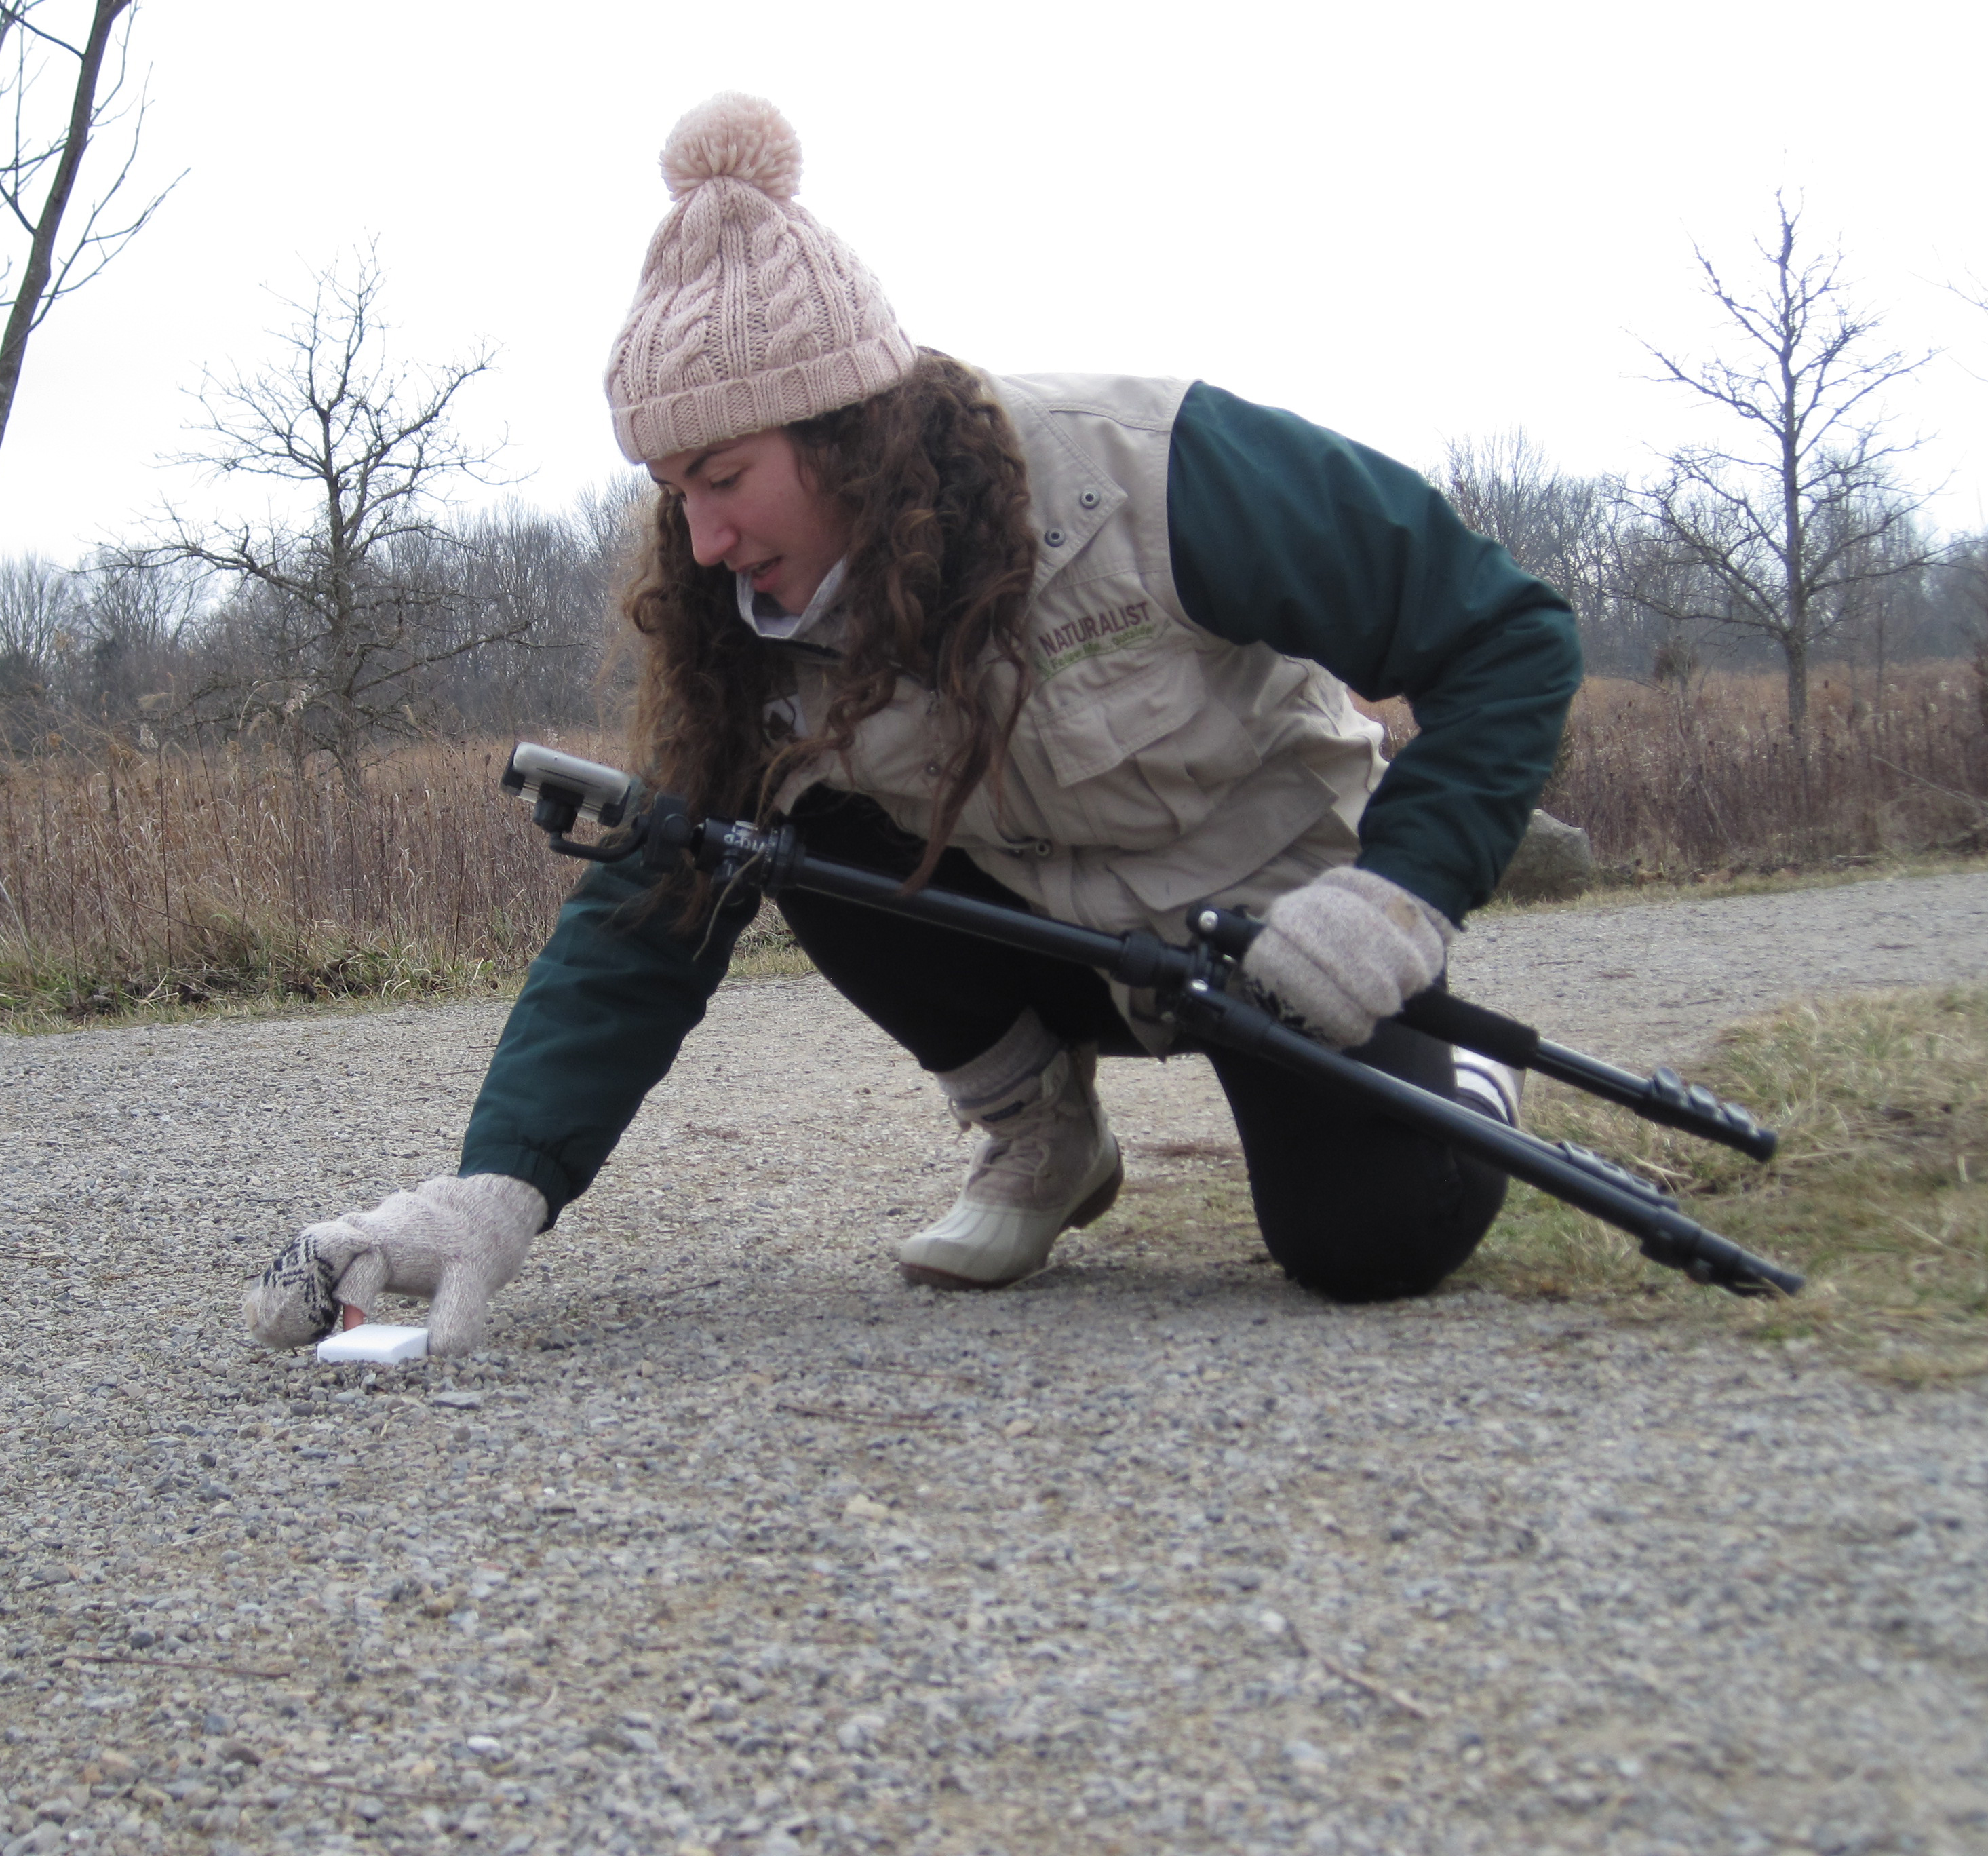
763 614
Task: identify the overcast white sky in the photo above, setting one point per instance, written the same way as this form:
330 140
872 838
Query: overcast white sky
1408 223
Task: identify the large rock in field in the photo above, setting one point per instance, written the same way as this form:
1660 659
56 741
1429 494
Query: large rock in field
1554 863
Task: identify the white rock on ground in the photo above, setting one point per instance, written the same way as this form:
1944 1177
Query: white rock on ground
730 1542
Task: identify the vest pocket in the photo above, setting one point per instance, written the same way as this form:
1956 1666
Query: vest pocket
1141 753
1090 720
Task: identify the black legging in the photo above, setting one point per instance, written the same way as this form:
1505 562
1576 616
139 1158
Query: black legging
1352 1204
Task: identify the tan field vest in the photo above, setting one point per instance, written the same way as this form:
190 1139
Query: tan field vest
1155 765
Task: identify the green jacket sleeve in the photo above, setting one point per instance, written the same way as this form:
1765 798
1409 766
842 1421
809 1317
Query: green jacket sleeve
603 1010
1285 534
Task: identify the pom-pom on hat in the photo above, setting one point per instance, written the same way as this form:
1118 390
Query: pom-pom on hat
751 314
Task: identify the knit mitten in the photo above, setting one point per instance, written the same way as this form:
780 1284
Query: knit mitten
453 1242
1344 953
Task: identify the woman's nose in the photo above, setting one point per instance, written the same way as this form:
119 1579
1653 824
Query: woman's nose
711 538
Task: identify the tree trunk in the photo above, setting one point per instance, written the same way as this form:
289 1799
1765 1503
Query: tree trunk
40 266
1795 646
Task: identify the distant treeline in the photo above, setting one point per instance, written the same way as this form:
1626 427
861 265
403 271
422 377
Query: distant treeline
1654 610
491 626
506 622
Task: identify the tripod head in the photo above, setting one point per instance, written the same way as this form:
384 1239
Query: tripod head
562 790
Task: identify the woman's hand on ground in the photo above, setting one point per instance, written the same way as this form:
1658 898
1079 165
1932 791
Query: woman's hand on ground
453 1241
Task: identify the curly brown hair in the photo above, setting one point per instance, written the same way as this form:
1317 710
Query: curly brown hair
941 557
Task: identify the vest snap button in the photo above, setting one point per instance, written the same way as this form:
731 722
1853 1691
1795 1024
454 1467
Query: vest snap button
932 769
1044 847
1089 499
1053 537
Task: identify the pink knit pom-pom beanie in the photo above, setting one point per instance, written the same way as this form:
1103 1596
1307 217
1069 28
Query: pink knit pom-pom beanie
751 314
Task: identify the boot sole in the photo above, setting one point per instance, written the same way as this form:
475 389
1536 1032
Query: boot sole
1093 1208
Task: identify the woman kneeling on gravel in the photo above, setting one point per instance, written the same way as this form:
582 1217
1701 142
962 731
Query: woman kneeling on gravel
1078 644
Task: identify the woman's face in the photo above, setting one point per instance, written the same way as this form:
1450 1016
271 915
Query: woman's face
753 510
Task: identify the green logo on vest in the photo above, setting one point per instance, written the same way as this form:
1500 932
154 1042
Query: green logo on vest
1096 634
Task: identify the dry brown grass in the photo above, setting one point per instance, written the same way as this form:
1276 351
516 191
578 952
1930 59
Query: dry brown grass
1707 780
176 881
1704 782
183 876
1879 1192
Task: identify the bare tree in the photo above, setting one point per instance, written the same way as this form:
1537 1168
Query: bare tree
1655 597
38 613
1584 536
1555 524
132 618
334 618
42 160
548 582
1963 585
1786 530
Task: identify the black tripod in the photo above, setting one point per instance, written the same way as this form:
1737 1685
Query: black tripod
1190 984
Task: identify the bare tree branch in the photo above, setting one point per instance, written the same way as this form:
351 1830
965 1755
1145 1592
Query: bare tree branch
53 268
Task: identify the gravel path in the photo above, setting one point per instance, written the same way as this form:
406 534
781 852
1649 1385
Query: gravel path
1643 985
730 1542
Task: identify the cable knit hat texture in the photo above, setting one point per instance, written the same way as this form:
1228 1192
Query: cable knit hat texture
751 314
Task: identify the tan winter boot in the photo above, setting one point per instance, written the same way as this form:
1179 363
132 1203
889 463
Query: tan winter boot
1049 1163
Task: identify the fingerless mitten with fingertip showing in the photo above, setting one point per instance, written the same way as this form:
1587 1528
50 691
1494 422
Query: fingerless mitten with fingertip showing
453 1243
